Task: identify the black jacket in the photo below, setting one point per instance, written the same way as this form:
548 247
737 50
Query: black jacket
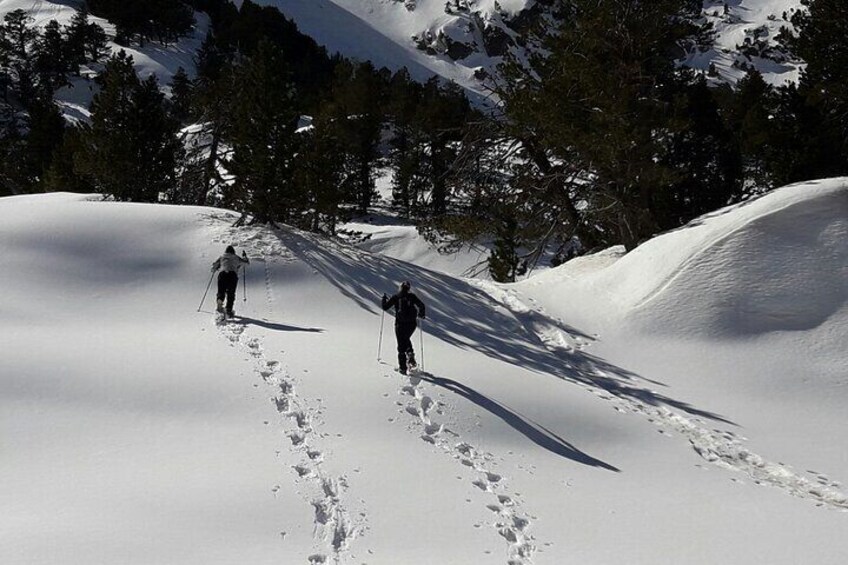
407 306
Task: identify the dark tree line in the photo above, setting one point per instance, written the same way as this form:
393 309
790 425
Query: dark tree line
164 21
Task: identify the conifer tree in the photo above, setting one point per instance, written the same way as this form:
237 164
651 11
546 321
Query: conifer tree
504 262
321 172
821 41
442 111
263 139
17 47
181 96
356 103
130 149
606 100
51 57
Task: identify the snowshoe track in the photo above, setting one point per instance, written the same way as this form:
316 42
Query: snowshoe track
333 528
511 523
719 447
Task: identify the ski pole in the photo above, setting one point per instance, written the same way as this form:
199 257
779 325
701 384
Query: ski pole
207 291
380 343
421 342
244 286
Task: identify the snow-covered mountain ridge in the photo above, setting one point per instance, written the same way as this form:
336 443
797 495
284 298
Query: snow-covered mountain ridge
465 40
614 409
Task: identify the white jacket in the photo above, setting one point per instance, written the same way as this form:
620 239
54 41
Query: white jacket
229 262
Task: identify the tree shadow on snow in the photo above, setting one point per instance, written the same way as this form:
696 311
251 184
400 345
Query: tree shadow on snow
464 316
535 432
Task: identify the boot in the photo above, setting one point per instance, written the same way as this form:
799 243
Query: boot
410 361
220 307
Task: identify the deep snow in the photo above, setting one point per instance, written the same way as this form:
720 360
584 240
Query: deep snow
611 410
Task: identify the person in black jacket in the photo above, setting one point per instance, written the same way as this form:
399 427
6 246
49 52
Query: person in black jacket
408 308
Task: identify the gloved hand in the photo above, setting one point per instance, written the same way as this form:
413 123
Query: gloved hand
385 299
213 269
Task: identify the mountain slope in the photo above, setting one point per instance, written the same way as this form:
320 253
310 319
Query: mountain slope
150 59
466 40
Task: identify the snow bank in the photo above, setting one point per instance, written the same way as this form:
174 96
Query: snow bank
776 263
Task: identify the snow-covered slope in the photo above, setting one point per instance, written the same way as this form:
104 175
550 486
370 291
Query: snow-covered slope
465 40
746 33
458 43
150 59
554 423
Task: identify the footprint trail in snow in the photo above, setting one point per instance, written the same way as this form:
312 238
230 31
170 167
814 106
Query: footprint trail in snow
511 523
333 527
720 447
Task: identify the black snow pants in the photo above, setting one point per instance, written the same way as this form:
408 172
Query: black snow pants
403 333
227 283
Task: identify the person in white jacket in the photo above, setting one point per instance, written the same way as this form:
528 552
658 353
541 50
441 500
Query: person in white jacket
229 264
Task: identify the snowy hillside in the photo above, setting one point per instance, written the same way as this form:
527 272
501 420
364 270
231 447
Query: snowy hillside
682 404
465 40
746 33
151 59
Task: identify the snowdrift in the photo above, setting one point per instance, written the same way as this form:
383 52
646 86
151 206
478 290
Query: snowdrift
775 263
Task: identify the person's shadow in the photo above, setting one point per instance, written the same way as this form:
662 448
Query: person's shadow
535 432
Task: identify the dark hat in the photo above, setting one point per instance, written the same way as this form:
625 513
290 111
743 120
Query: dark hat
230 249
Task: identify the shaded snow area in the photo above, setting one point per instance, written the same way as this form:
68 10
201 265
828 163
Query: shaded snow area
683 403
152 58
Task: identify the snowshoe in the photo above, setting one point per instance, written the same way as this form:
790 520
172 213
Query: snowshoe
411 363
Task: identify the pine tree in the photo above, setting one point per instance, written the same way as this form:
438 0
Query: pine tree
441 113
62 174
504 262
821 41
321 172
749 111
130 149
263 139
181 96
51 57
606 100
356 102
45 131
17 47
13 177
